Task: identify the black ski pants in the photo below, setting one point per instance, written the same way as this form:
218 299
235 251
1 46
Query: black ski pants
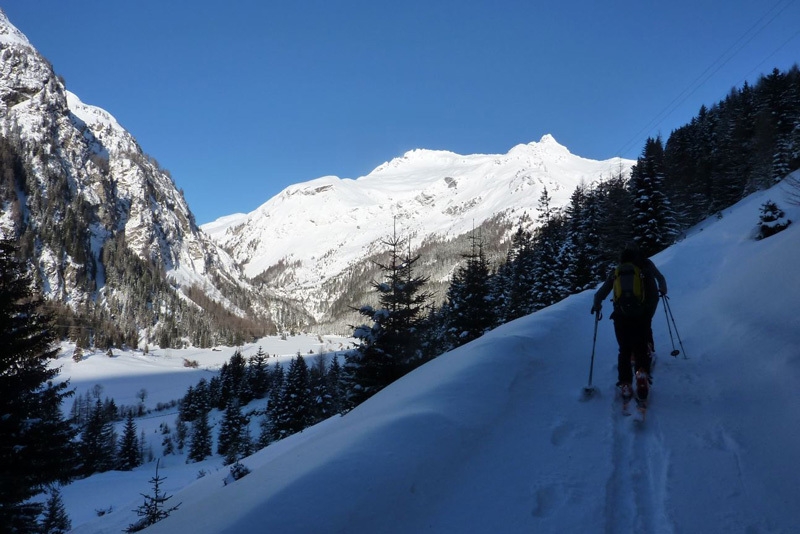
632 336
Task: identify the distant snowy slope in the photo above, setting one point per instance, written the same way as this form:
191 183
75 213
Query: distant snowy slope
492 437
323 227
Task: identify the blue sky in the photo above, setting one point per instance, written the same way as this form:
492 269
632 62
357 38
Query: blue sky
240 99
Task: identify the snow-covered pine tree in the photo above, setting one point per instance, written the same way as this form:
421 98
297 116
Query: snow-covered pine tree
581 252
772 220
515 282
654 223
320 396
230 442
258 378
391 346
469 312
233 383
200 445
548 283
334 386
297 402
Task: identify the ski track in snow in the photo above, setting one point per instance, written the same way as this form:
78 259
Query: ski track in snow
636 491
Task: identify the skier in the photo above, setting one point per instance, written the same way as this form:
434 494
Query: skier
634 309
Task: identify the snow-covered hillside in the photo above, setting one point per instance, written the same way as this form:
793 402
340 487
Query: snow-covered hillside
321 228
493 437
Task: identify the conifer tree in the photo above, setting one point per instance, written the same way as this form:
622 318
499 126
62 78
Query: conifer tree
167 444
232 379
581 241
129 453
336 386
181 433
258 378
615 208
469 310
320 394
230 442
36 445
517 276
653 221
55 520
294 405
154 508
98 443
390 347
547 287
200 444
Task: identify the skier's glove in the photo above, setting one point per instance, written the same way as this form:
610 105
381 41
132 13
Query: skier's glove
596 309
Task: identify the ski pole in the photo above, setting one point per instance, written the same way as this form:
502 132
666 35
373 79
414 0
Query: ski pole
669 309
589 389
674 352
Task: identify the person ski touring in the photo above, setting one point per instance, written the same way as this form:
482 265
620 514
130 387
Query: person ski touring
637 284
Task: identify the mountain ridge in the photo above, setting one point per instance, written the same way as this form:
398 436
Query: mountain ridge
323 227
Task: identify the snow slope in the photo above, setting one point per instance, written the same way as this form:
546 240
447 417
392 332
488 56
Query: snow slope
493 437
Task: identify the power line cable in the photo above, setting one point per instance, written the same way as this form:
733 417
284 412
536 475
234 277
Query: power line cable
716 65
757 67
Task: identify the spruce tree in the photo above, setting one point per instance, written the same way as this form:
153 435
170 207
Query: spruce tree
154 508
391 345
517 276
200 445
615 209
335 388
55 520
297 396
469 310
129 454
548 287
230 442
98 443
258 378
290 409
232 380
320 395
36 446
653 221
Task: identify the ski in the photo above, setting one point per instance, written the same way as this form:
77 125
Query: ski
625 394
641 412
626 407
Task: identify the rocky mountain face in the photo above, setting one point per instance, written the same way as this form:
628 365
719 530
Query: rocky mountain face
318 240
105 228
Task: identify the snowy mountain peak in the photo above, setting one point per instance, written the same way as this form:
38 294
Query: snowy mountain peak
318 230
9 34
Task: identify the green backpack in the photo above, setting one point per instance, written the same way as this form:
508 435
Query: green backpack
629 290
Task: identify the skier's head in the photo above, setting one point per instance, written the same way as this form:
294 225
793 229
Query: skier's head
629 253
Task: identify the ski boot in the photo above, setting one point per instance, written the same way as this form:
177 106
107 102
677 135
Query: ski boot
626 392
642 390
